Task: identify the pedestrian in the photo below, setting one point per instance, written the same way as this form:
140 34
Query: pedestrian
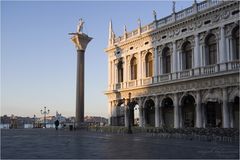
56 124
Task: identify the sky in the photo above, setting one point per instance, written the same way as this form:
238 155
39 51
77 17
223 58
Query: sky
38 59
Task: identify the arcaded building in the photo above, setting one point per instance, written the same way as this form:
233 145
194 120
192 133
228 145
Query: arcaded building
178 71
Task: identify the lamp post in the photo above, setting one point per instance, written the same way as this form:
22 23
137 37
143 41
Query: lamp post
129 107
45 112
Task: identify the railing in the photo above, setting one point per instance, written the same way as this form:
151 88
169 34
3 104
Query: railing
169 19
235 65
186 73
147 81
165 77
132 83
208 69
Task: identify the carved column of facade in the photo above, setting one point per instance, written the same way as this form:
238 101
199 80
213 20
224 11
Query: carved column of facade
109 74
139 73
222 49
157 124
125 72
140 112
161 65
198 110
228 49
116 72
109 113
230 104
125 115
204 116
174 60
196 55
231 48
225 109
161 116
155 64
176 111
144 116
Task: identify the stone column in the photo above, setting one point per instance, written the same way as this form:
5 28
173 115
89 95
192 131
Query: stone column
81 41
144 116
174 61
161 116
140 116
230 104
155 64
126 116
196 55
161 65
139 65
109 113
198 110
109 74
176 111
125 79
225 109
222 50
156 112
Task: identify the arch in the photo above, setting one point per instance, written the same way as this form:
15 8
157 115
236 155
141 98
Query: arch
211 49
188 111
120 71
211 97
133 64
213 113
149 64
166 58
149 109
235 42
233 94
167 112
187 55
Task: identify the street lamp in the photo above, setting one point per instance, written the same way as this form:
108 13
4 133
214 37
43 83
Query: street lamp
129 107
45 113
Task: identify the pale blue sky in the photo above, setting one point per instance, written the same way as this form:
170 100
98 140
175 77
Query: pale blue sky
38 60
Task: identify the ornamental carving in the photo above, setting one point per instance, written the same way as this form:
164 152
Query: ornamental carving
199 24
225 14
216 18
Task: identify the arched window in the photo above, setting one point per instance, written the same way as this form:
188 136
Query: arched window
120 71
211 50
166 60
187 55
236 44
149 64
133 68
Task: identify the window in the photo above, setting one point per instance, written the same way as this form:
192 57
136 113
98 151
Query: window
166 60
187 55
149 64
211 50
133 68
120 71
236 44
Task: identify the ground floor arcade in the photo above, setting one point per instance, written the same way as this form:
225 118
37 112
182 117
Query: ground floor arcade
215 107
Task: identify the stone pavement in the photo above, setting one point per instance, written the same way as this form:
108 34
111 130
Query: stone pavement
64 144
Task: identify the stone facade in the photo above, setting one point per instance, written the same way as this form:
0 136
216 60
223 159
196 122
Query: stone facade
181 70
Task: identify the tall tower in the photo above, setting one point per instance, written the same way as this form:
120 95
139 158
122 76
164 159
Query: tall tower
81 41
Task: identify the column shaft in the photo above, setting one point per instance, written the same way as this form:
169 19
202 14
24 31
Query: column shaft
140 116
196 52
157 124
225 109
126 117
155 64
109 113
198 111
176 111
80 87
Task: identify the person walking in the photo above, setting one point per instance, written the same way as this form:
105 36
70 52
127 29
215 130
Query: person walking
56 124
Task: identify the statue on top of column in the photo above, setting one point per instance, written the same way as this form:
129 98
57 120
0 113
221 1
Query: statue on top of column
154 15
80 26
173 7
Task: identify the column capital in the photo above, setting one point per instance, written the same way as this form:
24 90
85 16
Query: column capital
80 40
